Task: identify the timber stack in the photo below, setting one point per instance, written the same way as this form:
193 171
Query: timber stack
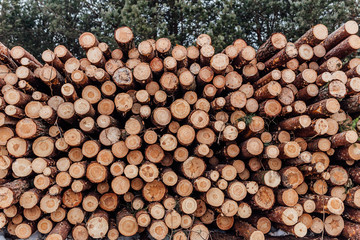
177 141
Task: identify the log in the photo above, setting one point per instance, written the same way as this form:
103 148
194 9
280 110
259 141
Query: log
283 56
283 215
60 231
247 231
344 48
273 44
98 224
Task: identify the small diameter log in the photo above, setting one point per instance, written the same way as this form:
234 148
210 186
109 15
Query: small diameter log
287 197
299 229
127 224
283 215
343 139
305 52
313 36
247 231
299 122
282 56
330 65
264 199
306 77
344 48
335 89
291 177
351 230
269 178
347 29
327 204
98 224
60 231
246 55
317 127
10 192
350 153
334 225
354 72
275 43
28 128
270 90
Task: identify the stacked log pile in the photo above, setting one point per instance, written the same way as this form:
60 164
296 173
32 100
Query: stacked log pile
175 141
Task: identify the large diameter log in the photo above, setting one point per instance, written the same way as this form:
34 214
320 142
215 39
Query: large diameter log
4 53
193 167
324 108
343 139
270 90
351 104
18 52
252 147
289 149
219 63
